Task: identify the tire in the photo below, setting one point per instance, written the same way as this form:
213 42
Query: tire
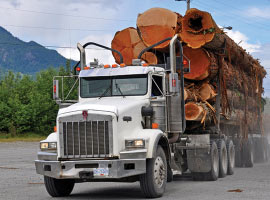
238 153
169 174
231 157
223 158
153 182
248 153
213 174
58 187
266 150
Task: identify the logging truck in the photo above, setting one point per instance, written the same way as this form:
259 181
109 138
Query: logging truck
136 122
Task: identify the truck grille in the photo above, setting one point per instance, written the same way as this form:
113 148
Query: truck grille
86 139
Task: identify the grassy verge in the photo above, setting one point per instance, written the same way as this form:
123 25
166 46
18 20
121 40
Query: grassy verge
28 137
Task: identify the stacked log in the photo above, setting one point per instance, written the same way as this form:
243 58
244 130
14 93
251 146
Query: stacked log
215 59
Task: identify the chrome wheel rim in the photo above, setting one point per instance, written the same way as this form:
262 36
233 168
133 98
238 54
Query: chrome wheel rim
159 172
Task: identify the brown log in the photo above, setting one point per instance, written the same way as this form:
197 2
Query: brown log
198 28
207 92
130 45
203 64
157 24
194 111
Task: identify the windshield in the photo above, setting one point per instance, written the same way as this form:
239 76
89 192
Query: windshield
132 85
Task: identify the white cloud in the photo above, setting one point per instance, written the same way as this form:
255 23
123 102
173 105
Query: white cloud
258 12
242 40
104 56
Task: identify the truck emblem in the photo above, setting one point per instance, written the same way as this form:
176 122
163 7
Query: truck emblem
85 114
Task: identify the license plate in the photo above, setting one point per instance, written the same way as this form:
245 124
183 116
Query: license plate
101 171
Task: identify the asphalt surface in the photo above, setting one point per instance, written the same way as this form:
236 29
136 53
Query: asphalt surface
18 180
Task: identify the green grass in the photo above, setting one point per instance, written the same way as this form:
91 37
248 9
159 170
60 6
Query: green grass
28 137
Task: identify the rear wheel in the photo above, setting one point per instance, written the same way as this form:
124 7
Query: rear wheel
223 158
58 187
153 182
212 175
231 156
248 153
238 153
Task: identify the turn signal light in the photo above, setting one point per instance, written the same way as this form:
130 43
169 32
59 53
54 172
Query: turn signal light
55 129
78 69
185 62
154 125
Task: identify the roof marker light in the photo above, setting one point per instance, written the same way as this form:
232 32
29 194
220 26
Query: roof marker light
86 68
107 66
145 65
122 65
114 66
78 69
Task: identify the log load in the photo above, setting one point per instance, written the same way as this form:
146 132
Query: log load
157 24
129 44
215 59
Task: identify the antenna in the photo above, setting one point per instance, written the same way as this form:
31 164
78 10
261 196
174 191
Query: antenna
188 3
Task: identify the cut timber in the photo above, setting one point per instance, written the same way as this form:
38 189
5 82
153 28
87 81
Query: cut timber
198 28
157 24
130 45
194 111
202 63
207 92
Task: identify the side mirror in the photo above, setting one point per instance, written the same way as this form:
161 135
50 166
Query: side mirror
55 89
173 83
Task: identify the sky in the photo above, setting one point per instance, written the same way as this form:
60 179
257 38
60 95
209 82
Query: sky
63 23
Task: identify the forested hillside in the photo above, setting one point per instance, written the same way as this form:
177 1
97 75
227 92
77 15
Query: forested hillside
26 103
26 57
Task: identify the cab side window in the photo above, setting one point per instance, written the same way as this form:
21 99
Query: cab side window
157 86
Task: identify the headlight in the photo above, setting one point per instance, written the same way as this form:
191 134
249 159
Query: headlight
48 145
139 143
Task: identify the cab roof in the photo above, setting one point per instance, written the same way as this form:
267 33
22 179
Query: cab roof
128 70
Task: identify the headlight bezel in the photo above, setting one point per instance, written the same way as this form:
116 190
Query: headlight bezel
134 143
44 146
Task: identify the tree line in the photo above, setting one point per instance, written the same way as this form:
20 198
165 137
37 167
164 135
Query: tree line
26 102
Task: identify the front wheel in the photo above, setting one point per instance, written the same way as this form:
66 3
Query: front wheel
153 182
58 187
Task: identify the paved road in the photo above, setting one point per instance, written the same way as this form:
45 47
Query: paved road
18 180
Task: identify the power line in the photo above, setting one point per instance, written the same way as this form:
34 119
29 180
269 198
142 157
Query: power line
48 46
235 8
66 15
231 14
52 28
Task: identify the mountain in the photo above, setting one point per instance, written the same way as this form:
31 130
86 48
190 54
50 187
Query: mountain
26 57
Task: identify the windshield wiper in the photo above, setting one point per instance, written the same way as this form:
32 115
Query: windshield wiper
116 85
104 93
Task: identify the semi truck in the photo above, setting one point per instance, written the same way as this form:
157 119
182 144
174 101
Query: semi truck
129 125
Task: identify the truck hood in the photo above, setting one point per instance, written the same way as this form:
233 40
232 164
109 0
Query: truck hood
112 105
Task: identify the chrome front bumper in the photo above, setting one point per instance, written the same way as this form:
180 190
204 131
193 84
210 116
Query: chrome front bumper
119 168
